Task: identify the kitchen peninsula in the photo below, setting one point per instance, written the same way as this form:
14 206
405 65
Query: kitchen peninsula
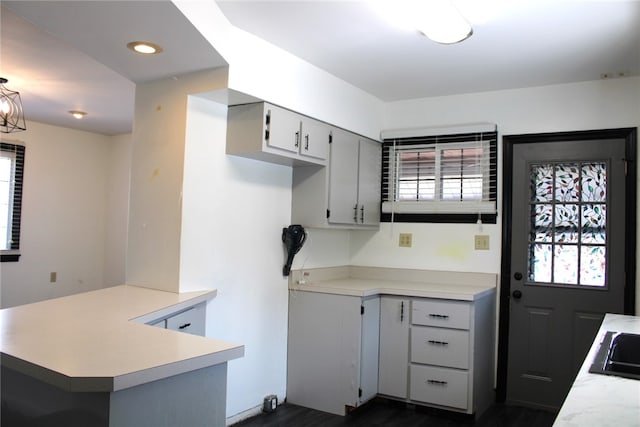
93 359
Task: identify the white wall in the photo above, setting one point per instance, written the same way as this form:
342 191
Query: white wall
157 168
234 210
117 209
65 215
264 71
577 106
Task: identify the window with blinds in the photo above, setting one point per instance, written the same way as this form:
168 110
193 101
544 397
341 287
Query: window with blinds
440 178
11 175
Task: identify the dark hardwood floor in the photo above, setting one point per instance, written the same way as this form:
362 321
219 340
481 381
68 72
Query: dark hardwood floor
386 413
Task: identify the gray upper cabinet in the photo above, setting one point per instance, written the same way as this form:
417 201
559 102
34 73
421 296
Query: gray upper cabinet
336 174
270 133
345 194
354 180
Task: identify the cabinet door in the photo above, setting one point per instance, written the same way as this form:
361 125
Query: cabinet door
323 351
315 139
369 349
282 129
343 178
369 166
394 346
191 321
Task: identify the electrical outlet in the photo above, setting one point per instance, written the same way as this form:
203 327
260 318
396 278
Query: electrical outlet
482 242
53 277
405 240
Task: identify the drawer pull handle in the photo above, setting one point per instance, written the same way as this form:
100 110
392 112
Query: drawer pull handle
438 316
186 325
436 382
434 342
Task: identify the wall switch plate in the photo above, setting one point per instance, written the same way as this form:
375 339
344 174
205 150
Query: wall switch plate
482 242
405 240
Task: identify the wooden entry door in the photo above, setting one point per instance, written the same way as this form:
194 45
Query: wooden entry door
568 257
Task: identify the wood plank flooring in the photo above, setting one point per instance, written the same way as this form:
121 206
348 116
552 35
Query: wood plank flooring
386 413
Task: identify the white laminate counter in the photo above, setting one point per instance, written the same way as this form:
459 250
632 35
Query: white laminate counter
97 341
369 281
603 400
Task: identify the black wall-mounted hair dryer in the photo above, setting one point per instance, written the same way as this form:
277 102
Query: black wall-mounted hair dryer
293 238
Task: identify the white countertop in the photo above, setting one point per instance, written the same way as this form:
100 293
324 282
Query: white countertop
97 341
603 400
370 287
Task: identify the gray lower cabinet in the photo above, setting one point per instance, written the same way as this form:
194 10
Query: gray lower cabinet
332 360
393 376
451 363
446 351
344 350
190 320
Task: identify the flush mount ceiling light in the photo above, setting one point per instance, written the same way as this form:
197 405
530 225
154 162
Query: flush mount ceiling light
145 48
77 114
439 20
442 23
11 114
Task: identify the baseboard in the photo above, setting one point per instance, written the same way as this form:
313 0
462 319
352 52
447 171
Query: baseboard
252 412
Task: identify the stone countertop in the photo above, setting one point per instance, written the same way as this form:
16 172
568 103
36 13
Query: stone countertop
603 400
96 341
366 281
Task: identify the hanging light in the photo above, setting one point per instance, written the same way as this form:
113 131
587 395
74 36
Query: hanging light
11 114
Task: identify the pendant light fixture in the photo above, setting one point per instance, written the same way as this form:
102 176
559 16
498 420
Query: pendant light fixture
11 114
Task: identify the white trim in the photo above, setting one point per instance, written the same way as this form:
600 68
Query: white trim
244 415
426 207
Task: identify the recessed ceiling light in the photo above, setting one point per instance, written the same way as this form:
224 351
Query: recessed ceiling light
77 114
145 48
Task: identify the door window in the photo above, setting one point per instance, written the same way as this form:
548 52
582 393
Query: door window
568 215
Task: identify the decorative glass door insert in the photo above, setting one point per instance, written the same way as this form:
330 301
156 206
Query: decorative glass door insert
568 218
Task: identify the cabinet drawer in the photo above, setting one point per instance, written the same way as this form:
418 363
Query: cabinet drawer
437 346
447 314
440 386
190 321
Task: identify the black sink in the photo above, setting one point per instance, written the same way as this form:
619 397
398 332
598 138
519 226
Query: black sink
619 354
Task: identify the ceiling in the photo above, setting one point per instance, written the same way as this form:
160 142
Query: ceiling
71 55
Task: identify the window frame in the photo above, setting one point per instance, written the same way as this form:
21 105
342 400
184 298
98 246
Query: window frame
441 211
17 152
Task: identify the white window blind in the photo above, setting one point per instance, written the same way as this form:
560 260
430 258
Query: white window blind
454 173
